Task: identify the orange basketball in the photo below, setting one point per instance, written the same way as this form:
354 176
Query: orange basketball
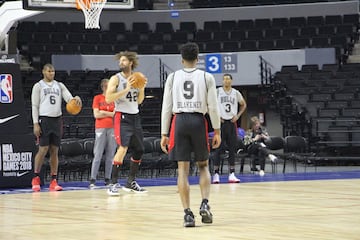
140 80
72 107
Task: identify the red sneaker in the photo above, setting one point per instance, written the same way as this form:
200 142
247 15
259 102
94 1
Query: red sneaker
54 186
36 184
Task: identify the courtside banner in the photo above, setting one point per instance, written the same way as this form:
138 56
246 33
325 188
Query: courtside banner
17 142
16 159
13 119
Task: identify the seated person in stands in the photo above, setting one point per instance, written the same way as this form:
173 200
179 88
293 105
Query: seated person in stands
254 141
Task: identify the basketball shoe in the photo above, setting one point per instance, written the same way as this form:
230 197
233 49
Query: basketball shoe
54 186
189 218
107 182
206 215
134 187
216 178
233 179
36 184
113 190
92 184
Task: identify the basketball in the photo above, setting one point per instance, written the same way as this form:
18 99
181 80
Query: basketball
72 107
140 80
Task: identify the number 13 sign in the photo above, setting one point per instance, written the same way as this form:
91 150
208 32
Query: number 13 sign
221 63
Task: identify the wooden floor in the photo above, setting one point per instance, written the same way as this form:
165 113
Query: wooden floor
323 209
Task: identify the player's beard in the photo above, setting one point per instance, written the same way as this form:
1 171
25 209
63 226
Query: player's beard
124 69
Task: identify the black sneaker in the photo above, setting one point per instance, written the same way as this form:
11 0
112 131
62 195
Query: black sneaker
134 187
206 215
189 220
107 182
92 184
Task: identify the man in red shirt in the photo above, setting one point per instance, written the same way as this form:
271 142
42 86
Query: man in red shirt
104 135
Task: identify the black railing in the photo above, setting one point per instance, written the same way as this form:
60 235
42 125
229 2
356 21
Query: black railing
265 71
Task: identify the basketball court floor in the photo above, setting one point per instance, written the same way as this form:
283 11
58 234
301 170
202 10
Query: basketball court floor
312 205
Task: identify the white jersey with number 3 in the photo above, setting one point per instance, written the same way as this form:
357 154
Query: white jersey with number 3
189 91
127 103
228 102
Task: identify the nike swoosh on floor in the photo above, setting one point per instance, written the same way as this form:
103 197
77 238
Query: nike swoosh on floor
3 120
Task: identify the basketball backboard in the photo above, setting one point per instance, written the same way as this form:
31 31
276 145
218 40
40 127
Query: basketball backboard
68 4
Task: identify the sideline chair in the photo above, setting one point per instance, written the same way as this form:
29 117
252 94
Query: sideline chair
295 148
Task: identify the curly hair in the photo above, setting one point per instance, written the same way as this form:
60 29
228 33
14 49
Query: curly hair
189 51
132 56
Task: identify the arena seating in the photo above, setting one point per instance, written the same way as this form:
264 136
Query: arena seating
47 38
322 105
240 3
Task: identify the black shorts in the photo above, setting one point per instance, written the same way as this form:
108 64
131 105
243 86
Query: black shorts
51 131
229 135
189 134
128 130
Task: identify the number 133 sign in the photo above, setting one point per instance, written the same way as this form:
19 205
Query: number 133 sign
221 63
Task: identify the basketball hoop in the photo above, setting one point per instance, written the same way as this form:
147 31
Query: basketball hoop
92 11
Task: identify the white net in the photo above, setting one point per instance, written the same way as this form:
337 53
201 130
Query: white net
92 11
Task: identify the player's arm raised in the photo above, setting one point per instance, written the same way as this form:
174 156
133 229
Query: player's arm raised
111 93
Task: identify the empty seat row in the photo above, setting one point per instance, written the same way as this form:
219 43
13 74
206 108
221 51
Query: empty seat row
240 3
320 36
189 26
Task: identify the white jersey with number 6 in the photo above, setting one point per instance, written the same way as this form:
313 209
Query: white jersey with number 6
50 99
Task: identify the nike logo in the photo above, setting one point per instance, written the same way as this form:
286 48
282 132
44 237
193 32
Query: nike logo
21 174
3 120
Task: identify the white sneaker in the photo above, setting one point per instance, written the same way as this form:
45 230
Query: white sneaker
261 173
272 157
233 178
216 178
92 186
113 190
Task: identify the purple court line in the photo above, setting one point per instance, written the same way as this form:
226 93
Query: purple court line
170 181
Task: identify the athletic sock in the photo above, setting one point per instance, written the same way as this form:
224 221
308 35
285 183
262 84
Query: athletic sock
134 168
115 174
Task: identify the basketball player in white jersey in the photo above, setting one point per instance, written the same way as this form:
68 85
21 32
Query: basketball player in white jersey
46 100
127 122
189 94
228 99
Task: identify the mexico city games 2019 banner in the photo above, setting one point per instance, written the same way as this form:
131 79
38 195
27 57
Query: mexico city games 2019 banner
17 145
